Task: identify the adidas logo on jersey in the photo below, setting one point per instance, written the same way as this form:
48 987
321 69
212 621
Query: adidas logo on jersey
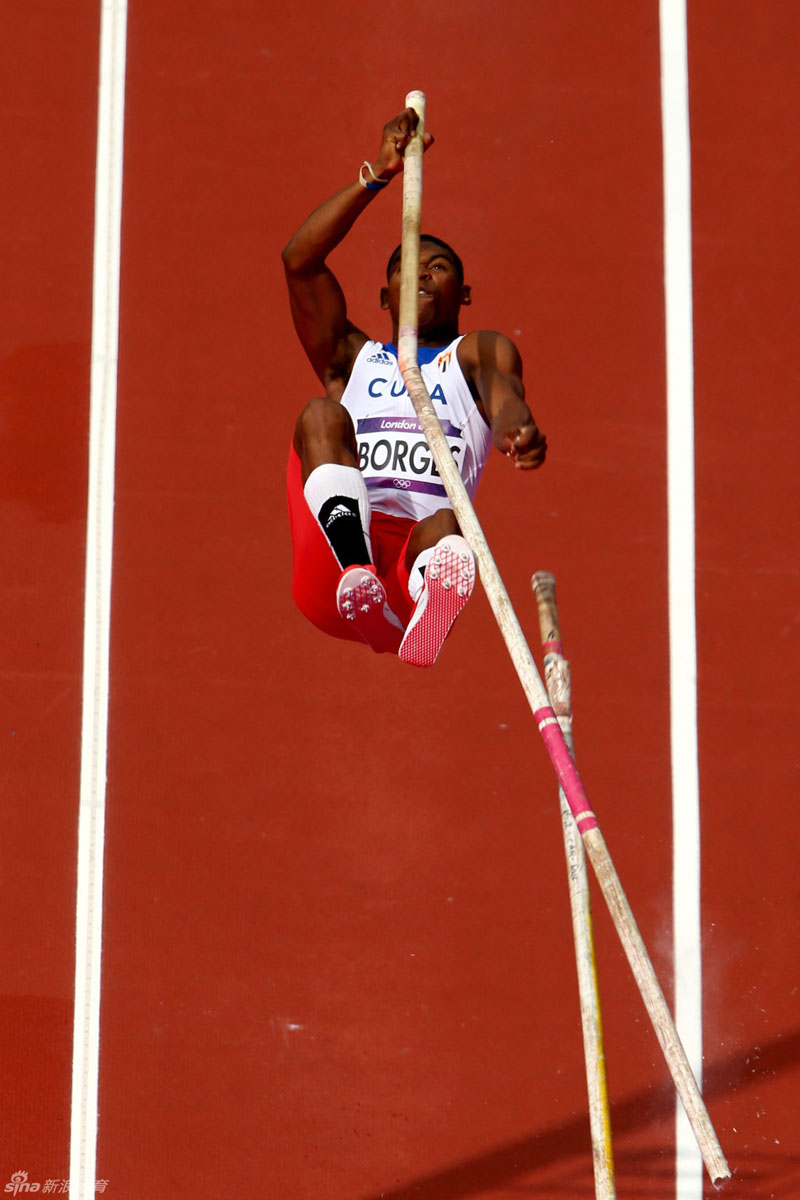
383 357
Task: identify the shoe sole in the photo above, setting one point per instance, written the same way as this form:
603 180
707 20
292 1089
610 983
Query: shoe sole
449 581
361 601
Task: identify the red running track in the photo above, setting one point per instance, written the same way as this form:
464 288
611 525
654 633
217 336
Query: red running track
337 954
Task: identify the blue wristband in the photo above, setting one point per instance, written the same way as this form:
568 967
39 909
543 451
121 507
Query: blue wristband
376 184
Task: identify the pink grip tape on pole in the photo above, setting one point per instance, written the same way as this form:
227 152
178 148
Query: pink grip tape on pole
565 768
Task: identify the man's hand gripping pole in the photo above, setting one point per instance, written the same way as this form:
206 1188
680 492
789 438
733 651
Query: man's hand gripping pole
566 771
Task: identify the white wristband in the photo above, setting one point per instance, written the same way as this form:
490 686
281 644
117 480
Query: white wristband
376 182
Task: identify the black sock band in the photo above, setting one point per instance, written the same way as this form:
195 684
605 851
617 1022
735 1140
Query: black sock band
341 524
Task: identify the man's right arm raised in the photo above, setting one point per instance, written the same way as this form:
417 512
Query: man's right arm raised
318 304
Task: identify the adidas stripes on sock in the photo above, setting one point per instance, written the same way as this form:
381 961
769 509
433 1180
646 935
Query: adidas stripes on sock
338 498
416 576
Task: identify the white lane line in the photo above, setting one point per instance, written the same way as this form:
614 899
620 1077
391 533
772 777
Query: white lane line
681 539
97 607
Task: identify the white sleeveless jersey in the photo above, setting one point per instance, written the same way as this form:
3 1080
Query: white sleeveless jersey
394 458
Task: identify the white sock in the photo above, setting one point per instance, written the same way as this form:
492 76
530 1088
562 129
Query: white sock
338 498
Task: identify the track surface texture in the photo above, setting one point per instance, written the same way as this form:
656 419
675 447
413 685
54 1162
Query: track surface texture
337 955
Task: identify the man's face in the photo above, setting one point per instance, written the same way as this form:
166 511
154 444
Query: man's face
441 292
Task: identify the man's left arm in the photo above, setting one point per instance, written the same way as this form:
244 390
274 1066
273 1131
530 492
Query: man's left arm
494 368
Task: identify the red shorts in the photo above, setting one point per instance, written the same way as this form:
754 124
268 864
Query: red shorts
316 571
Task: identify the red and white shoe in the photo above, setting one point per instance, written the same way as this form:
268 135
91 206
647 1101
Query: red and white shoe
449 580
361 601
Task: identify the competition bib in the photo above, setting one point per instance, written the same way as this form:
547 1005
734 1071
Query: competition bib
393 453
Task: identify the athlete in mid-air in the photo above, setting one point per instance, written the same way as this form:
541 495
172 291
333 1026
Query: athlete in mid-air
378 555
